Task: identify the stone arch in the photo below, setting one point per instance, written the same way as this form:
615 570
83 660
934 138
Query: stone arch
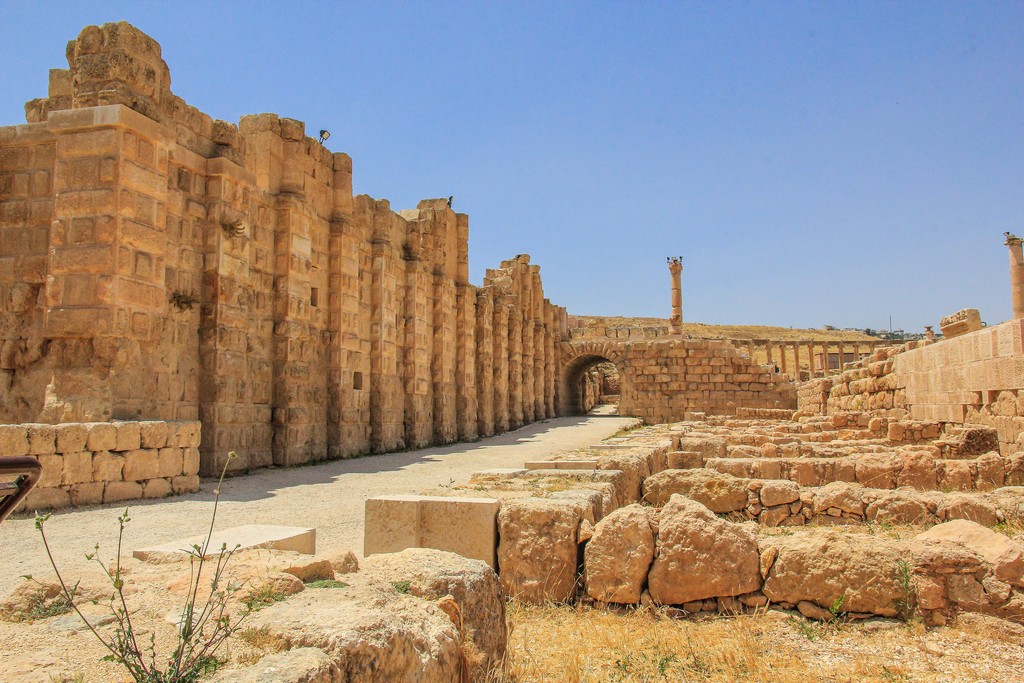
578 358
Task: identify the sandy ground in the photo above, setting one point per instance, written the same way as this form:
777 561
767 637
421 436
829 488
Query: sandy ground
328 496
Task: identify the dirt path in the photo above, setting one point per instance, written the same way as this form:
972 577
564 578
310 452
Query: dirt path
328 496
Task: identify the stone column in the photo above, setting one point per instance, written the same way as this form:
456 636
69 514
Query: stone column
782 354
810 359
675 268
768 352
1016 274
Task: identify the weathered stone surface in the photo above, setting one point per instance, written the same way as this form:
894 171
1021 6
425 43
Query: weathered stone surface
370 631
779 492
899 506
471 584
822 565
1005 555
719 492
841 495
619 554
273 537
700 556
537 552
969 507
301 665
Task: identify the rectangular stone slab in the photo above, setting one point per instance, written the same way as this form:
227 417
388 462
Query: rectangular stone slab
295 538
467 526
561 465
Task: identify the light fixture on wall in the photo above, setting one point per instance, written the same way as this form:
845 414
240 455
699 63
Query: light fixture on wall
324 134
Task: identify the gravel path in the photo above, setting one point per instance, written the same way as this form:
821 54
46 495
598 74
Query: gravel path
328 496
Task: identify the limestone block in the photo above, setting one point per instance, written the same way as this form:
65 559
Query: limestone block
102 436
71 437
53 471
876 470
190 460
42 439
900 506
41 498
189 434
619 555
13 440
87 494
474 587
1005 555
153 434
141 464
121 490
561 465
919 471
185 484
169 462
718 491
128 436
820 566
301 665
296 539
841 495
156 488
77 468
700 556
684 460
537 551
107 466
466 526
779 492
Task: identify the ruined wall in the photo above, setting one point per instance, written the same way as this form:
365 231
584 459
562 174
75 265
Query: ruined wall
158 264
974 378
664 381
104 462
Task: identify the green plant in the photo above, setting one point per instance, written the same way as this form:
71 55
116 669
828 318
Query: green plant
203 628
41 607
264 596
906 605
836 610
327 583
804 628
402 586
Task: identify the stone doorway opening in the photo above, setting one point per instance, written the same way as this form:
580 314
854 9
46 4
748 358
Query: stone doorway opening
592 385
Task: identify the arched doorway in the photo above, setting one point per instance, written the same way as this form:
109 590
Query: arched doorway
590 382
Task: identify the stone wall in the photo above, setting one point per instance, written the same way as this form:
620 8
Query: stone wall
158 264
663 381
103 462
974 378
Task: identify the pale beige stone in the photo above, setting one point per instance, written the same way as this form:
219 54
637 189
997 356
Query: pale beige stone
619 554
13 440
537 553
297 539
71 438
128 436
156 488
152 434
169 462
718 491
822 566
102 436
700 556
1005 555
77 468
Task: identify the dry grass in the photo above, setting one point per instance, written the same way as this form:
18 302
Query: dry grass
585 645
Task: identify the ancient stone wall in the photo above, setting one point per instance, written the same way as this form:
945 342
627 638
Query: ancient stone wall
663 381
974 378
103 462
158 264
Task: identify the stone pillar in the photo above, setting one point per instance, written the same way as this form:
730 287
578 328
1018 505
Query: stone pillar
485 362
750 348
465 362
1016 274
810 358
500 361
675 268
768 352
782 354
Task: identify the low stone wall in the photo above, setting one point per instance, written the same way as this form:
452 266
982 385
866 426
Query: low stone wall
777 502
687 556
920 469
812 396
86 463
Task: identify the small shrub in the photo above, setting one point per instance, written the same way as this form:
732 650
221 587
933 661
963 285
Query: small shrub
402 586
264 596
906 605
203 629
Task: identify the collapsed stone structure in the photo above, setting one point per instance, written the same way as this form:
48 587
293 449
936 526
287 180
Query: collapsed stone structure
159 265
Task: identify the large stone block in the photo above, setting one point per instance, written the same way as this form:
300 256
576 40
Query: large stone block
273 537
77 468
102 436
141 464
129 436
71 437
537 551
13 440
466 526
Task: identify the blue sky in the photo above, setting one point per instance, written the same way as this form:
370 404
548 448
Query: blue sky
814 162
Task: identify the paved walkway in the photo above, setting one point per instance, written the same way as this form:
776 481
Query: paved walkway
329 496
